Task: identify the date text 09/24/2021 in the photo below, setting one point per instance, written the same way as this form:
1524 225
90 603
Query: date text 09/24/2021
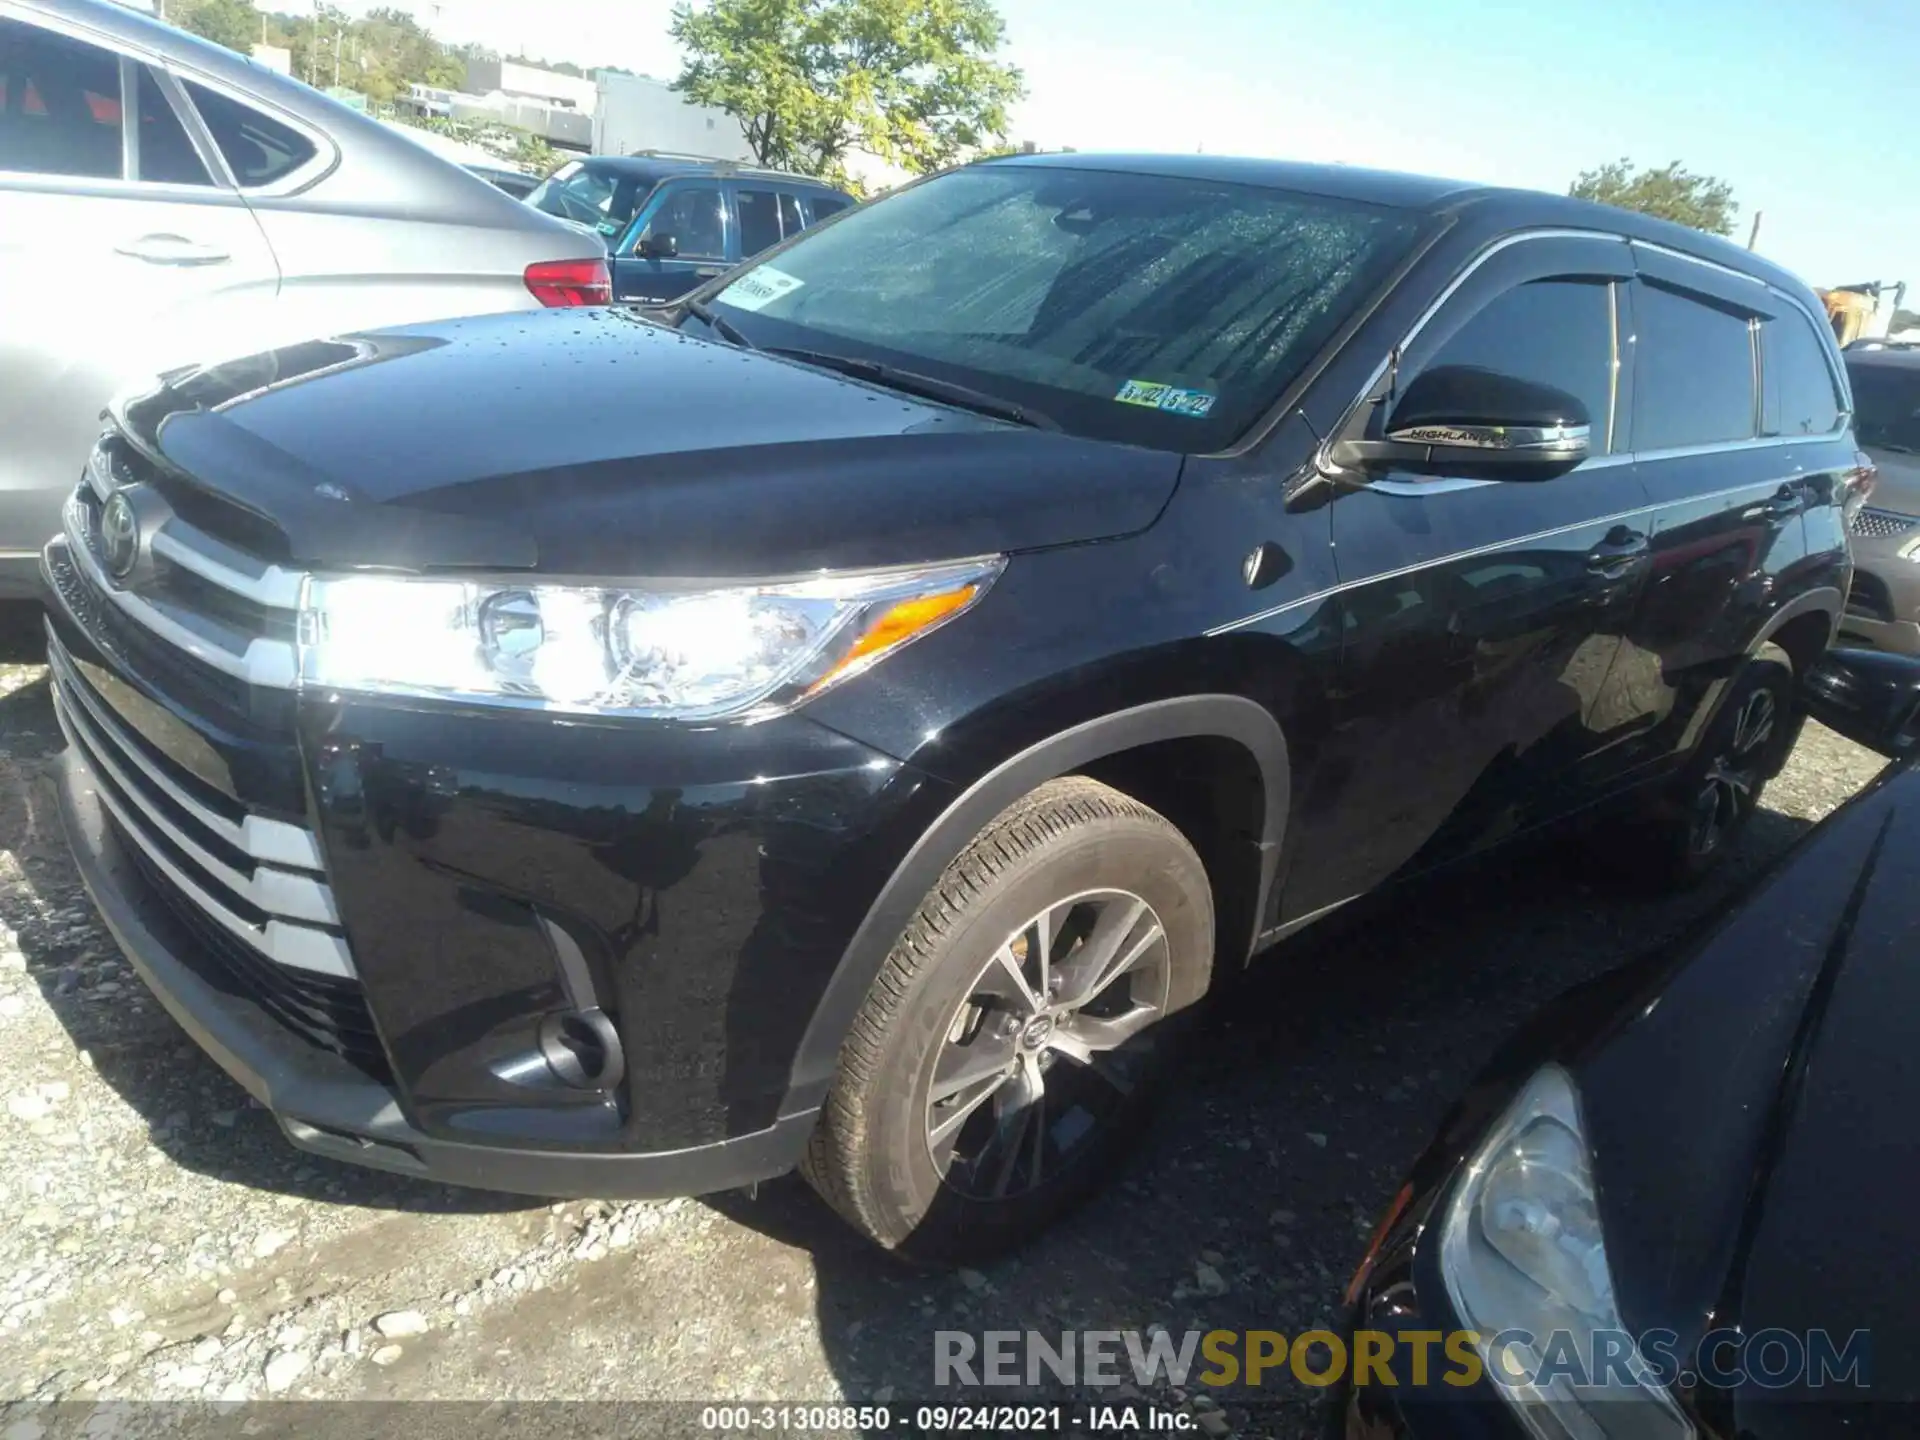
939 1419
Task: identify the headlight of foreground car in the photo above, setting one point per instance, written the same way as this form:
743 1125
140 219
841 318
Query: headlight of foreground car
1521 1251
661 650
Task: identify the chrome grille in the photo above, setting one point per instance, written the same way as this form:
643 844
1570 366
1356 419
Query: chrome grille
206 627
251 889
259 879
227 608
1878 524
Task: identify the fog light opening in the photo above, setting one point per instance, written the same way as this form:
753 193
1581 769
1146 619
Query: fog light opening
582 1048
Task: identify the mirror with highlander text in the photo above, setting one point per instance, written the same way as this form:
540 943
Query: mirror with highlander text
1462 420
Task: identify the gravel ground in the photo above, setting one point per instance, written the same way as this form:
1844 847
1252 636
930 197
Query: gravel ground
165 1243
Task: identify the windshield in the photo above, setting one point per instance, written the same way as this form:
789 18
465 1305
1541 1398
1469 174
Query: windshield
587 196
1140 308
1886 405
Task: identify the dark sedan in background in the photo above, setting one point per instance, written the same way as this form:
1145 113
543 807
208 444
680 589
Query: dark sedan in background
672 222
1681 1203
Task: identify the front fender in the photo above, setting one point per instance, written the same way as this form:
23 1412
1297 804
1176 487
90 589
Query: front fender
1229 717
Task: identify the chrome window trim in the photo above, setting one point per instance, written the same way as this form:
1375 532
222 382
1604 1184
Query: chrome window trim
1613 370
1656 248
198 135
129 117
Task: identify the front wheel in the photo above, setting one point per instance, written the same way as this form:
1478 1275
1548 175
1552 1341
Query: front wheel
1008 1052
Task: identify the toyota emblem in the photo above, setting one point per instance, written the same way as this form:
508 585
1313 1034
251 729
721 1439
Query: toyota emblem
119 536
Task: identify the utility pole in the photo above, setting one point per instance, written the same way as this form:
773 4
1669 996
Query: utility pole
1754 234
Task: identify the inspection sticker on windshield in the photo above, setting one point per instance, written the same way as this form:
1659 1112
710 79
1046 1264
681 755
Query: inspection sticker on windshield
759 288
1171 398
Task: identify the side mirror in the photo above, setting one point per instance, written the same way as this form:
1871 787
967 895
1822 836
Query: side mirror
1460 420
660 247
1868 696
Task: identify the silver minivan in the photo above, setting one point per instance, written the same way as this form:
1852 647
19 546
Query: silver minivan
164 201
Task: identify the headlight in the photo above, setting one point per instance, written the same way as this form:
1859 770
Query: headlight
650 650
1521 1251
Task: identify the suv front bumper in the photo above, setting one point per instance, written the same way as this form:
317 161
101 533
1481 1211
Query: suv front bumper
326 1105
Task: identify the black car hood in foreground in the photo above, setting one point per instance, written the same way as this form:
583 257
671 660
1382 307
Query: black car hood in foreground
1753 1117
589 442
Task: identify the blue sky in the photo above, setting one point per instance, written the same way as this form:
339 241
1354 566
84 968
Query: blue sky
1806 106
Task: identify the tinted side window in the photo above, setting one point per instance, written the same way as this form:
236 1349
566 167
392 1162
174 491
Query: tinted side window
59 105
258 150
1552 332
759 219
1800 396
166 156
1693 376
691 214
790 221
825 205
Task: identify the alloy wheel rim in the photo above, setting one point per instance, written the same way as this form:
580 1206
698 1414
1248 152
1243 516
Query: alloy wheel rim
1041 1054
1727 791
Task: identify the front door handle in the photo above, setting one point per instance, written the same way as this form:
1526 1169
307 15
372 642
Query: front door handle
1619 552
707 272
171 250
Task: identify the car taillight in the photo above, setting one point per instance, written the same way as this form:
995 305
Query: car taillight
1859 483
560 283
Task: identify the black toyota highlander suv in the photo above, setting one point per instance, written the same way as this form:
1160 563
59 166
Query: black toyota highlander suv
843 719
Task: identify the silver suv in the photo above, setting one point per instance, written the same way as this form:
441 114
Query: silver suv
164 200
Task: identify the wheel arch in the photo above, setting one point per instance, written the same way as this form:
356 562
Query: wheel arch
1089 747
1804 626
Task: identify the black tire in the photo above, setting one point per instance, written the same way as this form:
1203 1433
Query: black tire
1076 857
1697 820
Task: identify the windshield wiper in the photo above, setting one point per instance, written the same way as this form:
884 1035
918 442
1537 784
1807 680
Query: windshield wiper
930 387
725 329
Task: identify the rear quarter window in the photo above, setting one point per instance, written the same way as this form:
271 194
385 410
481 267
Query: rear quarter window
257 148
1801 399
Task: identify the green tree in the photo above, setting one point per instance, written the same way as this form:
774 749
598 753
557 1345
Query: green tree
1671 192
913 82
232 23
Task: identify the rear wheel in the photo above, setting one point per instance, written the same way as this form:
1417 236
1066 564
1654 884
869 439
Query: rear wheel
1009 1051
1699 820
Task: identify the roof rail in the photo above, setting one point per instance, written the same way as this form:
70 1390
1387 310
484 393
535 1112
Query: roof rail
677 155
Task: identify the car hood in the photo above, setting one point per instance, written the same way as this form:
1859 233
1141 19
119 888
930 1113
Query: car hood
1750 1111
590 442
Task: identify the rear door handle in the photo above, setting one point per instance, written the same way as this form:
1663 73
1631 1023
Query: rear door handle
1787 501
171 250
1618 553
